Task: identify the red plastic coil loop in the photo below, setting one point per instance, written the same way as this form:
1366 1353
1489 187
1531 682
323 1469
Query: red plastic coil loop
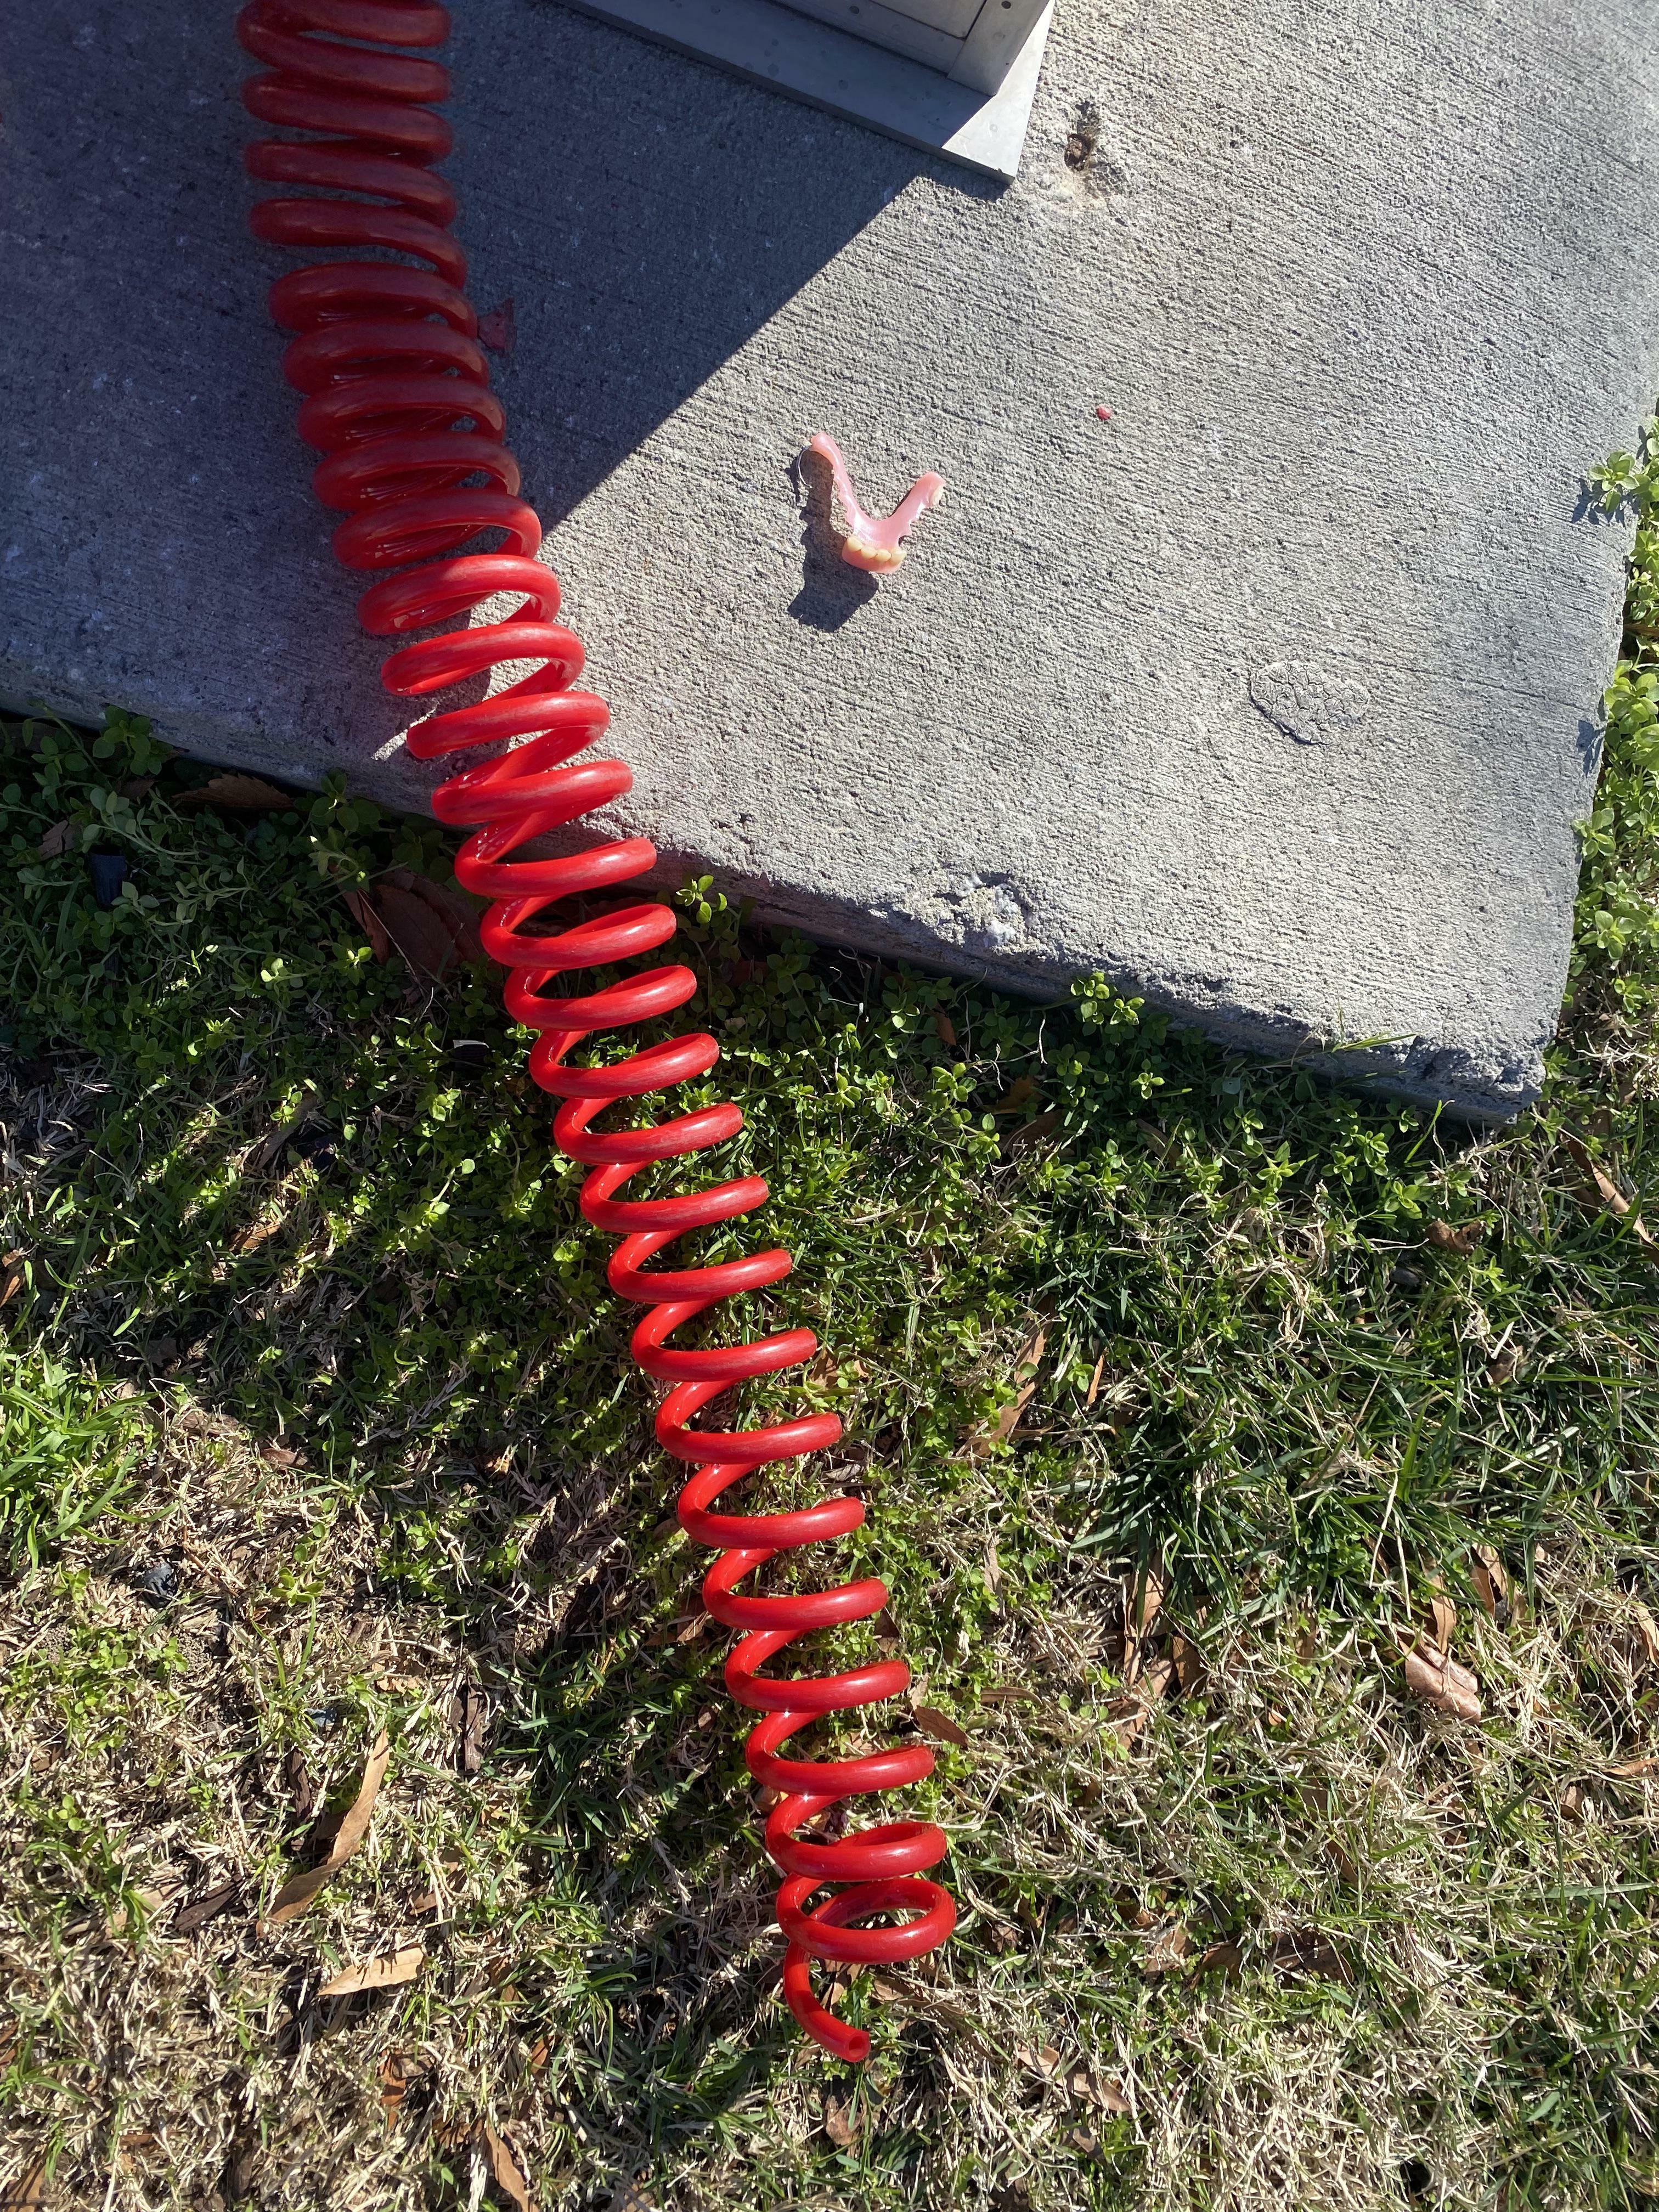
396 401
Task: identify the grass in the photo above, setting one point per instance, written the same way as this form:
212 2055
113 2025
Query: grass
319 1423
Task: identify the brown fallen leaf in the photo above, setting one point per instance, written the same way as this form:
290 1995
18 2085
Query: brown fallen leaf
296 1776
841 2127
57 841
1443 1620
505 2171
1648 1629
13 1275
1607 1190
137 787
1502 1368
1150 1687
1008 1419
398 2073
1445 1238
1305 1951
947 1029
200 1910
1034 1131
27 2191
1164 1950
1442 1682
940 1726
1107 2096
296 1893
1188 1661
1142 1599
1017 1095
260 1233
1491 1585
1223 1957
630 2198
471 1716
1093 1390
235 793
423 937
360 907
1046 2062
388 1971
451 905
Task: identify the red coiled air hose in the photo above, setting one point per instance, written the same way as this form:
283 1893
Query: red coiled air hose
397 400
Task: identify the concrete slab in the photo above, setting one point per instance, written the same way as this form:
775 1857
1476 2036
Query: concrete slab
1275 696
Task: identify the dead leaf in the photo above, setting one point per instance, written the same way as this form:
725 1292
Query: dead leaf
397 2073
947 1029
1034 1131
1491 1585
200 1910
1188 1661
1607 1190
1648 1629
12 1276
1502 1368
940 1726
1445 1238
1144 1602
1163 1951
1305 1951
388 1971
471 1716
1008 1419
27 2191
1142 1599
1046 2062
1106 2096
1151 1686
840 2127
449 903
235 793
297 1777
138 787
296 1894
505 2171
422 937
1223 1958
1443 1620
1093 1390
362 909
630 2198
426 1902
1442 1682
1017 1095
57 841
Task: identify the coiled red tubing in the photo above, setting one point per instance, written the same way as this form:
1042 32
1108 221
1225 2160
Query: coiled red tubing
397 400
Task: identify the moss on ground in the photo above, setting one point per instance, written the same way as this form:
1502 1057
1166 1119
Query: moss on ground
319 1423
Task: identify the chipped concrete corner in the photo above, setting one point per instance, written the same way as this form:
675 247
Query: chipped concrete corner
1273 695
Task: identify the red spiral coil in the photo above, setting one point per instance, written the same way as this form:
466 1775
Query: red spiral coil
397 400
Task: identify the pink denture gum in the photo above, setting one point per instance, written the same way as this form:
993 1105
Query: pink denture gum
876 542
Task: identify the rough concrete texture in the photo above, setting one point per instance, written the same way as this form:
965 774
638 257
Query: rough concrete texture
1275 696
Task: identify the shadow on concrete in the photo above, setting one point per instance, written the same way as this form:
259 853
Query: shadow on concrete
668 217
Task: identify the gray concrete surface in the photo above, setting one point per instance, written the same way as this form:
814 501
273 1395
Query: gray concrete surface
1275 696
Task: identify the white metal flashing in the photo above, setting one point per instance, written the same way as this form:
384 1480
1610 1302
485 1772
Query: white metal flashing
893 93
